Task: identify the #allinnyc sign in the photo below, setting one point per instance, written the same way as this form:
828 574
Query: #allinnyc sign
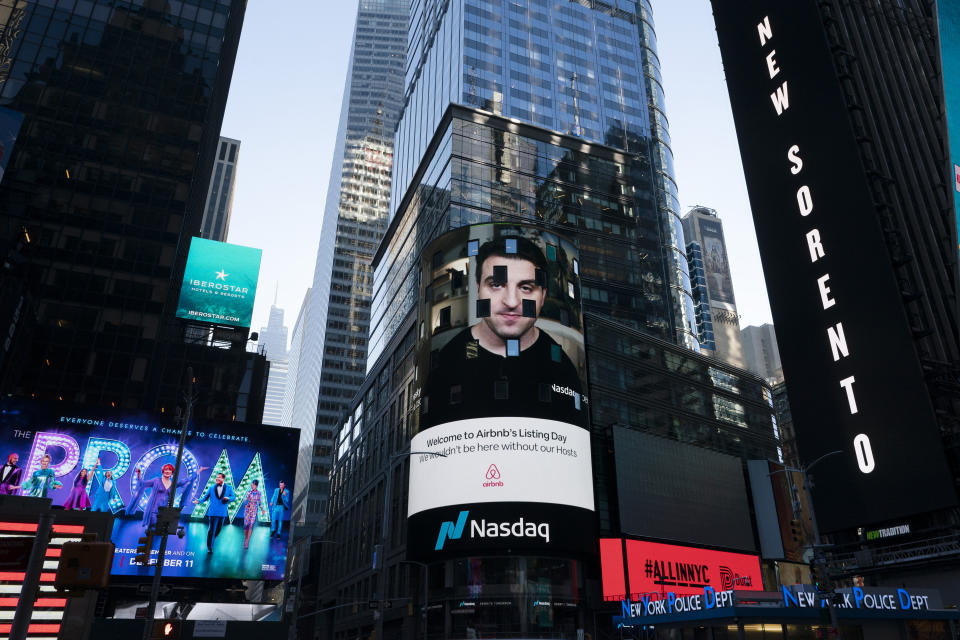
853 376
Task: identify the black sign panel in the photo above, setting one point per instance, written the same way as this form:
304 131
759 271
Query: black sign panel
853 375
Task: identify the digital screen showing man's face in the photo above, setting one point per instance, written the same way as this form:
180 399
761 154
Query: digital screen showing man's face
506 319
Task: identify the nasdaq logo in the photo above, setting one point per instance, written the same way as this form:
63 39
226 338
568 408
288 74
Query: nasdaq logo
450 530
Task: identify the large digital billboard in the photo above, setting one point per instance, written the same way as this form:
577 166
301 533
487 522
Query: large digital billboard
10 122
636 568
852 372
948 21
219 283
235 515
501 373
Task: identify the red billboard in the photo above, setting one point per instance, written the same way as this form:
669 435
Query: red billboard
651 567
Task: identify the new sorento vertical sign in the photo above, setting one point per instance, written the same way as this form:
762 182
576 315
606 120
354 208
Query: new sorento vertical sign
853 376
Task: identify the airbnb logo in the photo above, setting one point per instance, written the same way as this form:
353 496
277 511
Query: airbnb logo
493 477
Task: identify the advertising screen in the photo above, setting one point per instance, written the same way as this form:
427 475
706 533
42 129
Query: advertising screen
501 373
115 461
851 366
652 567
219 283
948 19
10 122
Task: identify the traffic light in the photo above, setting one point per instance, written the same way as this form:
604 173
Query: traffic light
815 577
166 630
144 545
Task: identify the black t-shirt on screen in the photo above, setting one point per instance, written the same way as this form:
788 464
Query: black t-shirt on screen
467 381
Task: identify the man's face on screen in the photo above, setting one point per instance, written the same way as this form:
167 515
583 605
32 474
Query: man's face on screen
506 319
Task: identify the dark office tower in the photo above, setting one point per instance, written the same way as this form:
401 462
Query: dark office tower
531 121
122 105
850 183
333 352
718 323
216 213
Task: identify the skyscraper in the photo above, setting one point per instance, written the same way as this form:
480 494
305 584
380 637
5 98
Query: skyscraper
103 192
761 352
273 344
216 212
849 177
717 321
333 353
545 118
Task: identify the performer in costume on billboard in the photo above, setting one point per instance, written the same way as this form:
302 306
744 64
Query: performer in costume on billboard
160 495
78 499
473 376
10 475
103 491
251 509
219 495
279 504
41 480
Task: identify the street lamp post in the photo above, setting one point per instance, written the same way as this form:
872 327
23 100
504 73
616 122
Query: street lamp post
385 533
294 632
426 592
818 558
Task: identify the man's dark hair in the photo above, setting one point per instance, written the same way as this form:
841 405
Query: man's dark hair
526 250
221 474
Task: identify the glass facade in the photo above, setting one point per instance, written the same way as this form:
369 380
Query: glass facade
330 365
585 70
701 299
216 213
122 105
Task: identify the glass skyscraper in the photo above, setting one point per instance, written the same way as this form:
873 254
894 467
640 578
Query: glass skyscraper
332 354
549 114
122 105
588 72
216 213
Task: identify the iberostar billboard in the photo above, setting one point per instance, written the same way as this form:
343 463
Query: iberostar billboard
235 514
219 283
501 373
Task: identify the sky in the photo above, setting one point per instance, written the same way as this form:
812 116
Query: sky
284 107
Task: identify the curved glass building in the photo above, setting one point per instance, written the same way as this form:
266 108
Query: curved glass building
539 113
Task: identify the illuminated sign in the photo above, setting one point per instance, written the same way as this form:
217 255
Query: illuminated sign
651 608
818 232
653 567
115 462
888 532
877 599
503 449
219 283
948 21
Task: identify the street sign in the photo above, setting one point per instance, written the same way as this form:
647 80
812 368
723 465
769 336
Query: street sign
374 604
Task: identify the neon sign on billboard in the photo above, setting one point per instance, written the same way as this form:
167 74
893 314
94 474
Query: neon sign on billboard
502 397
653 567
235 483
219 283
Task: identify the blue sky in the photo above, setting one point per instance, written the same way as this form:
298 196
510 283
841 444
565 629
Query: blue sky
284 107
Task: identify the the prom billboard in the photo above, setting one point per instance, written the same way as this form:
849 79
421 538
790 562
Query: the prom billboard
235 527
502 453
219 283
